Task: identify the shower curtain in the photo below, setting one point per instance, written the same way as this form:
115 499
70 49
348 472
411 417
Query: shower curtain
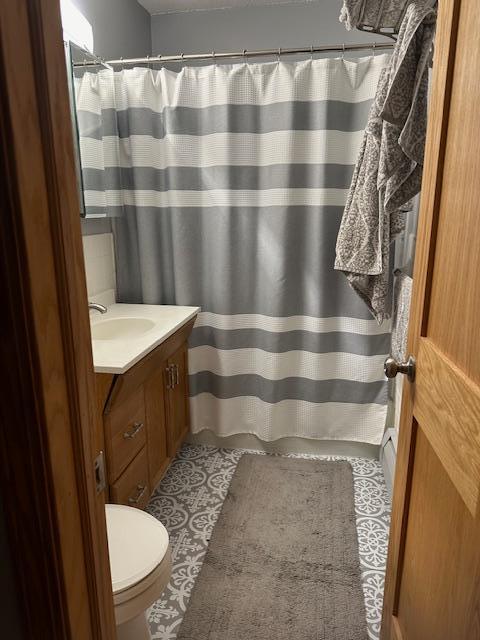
227 186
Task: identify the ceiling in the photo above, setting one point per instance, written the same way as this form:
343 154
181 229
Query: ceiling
169 6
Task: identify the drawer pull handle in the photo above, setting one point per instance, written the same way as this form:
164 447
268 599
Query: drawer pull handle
177 375
137 426
169 377
141 488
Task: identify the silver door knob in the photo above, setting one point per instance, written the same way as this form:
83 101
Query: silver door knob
392 367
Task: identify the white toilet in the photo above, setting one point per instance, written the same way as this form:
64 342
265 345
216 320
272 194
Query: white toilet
140 564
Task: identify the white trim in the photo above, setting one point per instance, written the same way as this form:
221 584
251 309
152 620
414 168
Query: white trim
288 418
285 446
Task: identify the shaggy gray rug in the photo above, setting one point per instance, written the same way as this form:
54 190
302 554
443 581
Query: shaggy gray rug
282 562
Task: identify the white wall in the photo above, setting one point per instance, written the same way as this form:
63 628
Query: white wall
100 267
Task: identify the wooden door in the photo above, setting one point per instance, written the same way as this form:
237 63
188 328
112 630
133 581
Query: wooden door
178 424
55 519
433 572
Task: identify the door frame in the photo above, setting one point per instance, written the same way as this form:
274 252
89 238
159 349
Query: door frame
54 518
444 59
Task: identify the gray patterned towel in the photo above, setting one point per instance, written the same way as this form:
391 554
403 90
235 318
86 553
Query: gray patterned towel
388 173
378 14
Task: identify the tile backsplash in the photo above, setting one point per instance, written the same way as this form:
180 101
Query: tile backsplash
99 257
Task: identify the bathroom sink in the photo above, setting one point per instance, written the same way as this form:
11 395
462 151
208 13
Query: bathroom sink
121 328
126 333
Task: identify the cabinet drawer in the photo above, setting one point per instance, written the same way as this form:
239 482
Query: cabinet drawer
125 432
132 487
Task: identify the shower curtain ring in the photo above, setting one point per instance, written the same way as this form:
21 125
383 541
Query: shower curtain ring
373 49
343 51
311 52
279 53
214 57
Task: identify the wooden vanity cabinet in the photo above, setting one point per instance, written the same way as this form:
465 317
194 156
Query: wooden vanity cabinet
157 455
145 419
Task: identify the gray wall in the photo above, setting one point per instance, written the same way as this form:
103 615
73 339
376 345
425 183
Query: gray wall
254 27
120 27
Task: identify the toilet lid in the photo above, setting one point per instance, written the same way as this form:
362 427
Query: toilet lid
137 544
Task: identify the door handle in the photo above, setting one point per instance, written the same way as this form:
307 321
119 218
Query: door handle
408 368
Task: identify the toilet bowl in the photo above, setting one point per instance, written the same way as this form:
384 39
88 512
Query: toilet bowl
140 564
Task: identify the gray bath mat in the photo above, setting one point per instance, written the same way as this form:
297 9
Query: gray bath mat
282 562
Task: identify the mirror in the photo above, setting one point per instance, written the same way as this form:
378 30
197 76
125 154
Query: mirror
95 131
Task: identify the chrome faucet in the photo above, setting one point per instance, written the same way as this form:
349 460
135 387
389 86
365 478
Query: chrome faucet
97 307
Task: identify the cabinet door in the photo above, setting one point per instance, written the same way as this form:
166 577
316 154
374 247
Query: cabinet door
179 418
155 401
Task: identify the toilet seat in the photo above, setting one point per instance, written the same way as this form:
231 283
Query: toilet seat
137 544
129 602
140 564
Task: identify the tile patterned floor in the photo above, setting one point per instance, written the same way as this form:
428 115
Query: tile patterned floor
188 502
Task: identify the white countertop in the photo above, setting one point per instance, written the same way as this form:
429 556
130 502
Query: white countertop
118 354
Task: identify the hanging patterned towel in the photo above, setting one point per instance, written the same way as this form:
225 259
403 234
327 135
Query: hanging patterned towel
380 14
389 168
402 294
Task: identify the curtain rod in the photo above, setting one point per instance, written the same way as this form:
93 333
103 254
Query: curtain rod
183 57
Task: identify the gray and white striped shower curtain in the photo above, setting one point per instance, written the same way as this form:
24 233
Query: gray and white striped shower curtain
227 184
